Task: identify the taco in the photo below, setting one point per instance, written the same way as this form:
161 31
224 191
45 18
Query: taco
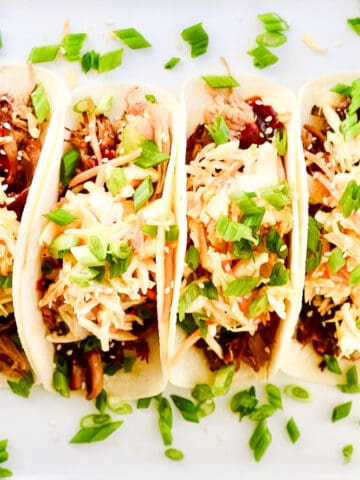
29 115
238 300
104 233
328 325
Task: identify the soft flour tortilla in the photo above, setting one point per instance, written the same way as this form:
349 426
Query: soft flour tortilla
297 360
192 367
18 81
145 379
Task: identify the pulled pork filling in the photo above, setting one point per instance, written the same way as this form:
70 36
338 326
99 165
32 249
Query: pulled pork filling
20 148
98 286
235 286
329 319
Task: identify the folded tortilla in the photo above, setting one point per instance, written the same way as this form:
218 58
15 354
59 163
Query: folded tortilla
330 152
95 283
236 300
30 112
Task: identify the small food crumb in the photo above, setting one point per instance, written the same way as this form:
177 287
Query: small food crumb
310 42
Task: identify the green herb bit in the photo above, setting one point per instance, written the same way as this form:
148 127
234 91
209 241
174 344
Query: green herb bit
192 257
341 411
174 454
273 22
120 250
279 275
72 44
262 412
117 405
100 401
116 181
232 231
149 230
3 445
172 234
197 38
61 376
68 166
274 243
132 38
244 402
274 395
95 434
143 193
165 420
110 60
280 141
350 199
150 155
40 103
90 61
260 440
262 57
119 267
60 217
202 392
347 452
191 293
220 81
354 276
4 455
354 23
297 393
1 43
186 407
332 364
314 248
150 98
5 472
258 306
219 130
47 53
223 379
143 403
336 260
271 39
205 408
23 386
94 419
5 281
351 385
277 195
293 431
171 63
242 286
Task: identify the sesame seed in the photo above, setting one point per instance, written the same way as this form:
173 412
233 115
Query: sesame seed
310 314
261 135
269 131
7 125
258 102
2 152
87 138
268 118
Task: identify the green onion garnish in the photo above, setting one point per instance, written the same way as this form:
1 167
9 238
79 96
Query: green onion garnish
85 256
46 53
280 141
72 44
205 408
171 63
110 60
347 452
4 455
244 201
233 231
277 195
61 375
260 440
274 395
279 275
297 393
5 281
117 405
150 155
1 43
293 430
350 126
119 267
94 419
262 412
104 105
120 249
192 257
219 130
5 472
143 192
262 57
143 403
271 39
350 199
341 411
149 230
165 420
351 385
354 276
273 22
197 38
332 364
223 379
314 248
132 38
186 407
23 386
61 245
150 98
40 103
90 61
174 454
274 243
60 217
84 276
98 247
354 23
100 401
258 306
116 181
220 81
242 286
244 402
336 260
69 163
172 234
202 392
96 433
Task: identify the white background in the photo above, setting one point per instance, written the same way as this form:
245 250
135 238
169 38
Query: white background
39 428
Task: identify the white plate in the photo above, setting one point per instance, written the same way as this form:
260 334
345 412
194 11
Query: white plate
39 428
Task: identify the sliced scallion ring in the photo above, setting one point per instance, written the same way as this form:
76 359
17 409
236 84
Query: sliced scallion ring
297 393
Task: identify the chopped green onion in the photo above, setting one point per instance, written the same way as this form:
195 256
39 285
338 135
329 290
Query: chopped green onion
297 393
186 407
219 130
165 420
190 294
197 38
4 455
47 53
277 195
5 472
293 430
244 402
314 248
94 419
69 163
279 275
271 39
347 452
60 217
119 268
150 155
274 243
62 244
117 405
116 181
332 364
223 379
350 199
262 57
132 38
262 412
354 276
110 60
260 440
202 392
220 81
341 411
274 395
143 193
258 306
342 89
90 61
172 234
100 401
72 44
23 386
351 385
171 63
174 454
95 434
85 105
104 105
84 276
242 286
244 201
40 103
5 281
205 408
131 139
350 126
150 230
336 260
120 249
354 23
98 247
61 384
150 98
1 44
280 141
143 402
192 257
232 231
3 445
273 22
86 257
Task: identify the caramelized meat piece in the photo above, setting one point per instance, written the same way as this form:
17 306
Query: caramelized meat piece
77 375
105 134
196 142
94 374
13 362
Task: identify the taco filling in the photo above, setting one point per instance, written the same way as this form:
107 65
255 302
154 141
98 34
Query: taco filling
98 287
329 319
235 286
21 128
